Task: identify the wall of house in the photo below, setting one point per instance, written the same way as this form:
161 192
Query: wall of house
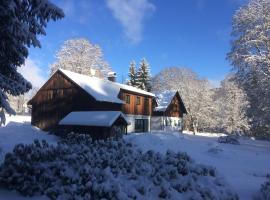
174 109
132 107
132 118
164 123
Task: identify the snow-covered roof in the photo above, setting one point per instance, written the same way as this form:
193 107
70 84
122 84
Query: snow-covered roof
101 89
92 118
164 99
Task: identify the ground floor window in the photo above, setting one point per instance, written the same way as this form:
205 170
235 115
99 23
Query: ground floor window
141 125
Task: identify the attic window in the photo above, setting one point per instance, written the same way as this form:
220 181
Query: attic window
138 101
127 99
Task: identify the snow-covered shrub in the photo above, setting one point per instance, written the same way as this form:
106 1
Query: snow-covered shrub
230 139
264 193
79 168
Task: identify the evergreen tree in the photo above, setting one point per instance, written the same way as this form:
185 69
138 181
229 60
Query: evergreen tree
144 76
20 24
132 74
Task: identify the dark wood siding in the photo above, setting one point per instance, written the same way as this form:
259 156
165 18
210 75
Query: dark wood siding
144 108
60 96
95 132
174 109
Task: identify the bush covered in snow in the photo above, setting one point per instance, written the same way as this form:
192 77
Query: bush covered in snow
264 193
230 139
79 168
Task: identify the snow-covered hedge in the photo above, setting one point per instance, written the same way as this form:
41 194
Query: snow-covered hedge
230 139
78 168
264 193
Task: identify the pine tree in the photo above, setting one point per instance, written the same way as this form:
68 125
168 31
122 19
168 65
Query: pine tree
132 74
20 24
144 76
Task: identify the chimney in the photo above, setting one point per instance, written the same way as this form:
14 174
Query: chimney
93 72
112 76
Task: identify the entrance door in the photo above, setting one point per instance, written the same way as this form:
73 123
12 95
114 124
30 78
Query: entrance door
141 125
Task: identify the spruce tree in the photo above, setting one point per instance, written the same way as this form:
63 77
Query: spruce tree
144 76
20 24
132 74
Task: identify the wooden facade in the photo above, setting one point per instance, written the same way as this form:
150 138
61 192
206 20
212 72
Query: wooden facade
60 96
176 108
136 104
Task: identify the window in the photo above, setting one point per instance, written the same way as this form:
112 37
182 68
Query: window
138 101
147 103
141 125
175 108
146 106
127 99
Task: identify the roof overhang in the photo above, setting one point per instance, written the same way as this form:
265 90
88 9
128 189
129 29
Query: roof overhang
93 118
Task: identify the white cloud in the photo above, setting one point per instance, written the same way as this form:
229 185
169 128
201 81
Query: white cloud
32 72
131 14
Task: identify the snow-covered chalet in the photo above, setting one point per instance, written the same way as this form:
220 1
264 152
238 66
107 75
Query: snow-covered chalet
80 103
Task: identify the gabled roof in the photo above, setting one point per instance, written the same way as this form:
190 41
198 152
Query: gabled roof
101 89
164 99
92 118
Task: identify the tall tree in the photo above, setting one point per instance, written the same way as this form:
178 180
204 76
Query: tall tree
232 107
80 56
132 74
250 56
21 21
196 94
144 76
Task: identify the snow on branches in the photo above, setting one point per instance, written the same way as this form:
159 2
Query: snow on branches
250 56
141 77
20 24
80 56
78 168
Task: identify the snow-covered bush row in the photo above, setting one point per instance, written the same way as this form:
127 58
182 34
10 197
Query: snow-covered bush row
78 168
264 193
230 139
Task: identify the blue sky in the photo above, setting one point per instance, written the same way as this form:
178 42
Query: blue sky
190 33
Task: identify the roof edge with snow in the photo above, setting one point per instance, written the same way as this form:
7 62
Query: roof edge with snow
92 118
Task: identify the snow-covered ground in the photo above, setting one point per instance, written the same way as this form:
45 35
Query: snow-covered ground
19 130
243 166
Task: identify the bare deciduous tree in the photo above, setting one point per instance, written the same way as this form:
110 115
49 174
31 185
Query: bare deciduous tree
80 56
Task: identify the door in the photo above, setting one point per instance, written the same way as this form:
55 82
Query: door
141 125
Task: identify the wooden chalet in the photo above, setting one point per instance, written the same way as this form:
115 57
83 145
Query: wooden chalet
168 111
68 95
66 92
